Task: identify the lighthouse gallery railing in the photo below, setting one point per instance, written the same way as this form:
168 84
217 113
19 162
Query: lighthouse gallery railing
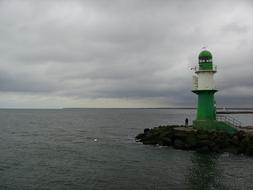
198 69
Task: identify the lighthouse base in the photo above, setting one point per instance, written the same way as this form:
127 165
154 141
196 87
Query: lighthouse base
213 125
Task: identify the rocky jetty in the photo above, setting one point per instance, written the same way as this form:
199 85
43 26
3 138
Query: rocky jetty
189 138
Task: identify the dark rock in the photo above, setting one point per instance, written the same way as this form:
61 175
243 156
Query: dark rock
178 144
202 134
150 141
203 149
140 137
241 135
235 140
216 148
191 141
166 141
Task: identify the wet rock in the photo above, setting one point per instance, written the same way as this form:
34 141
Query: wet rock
235 140
140 137
203 149
166 141
178 144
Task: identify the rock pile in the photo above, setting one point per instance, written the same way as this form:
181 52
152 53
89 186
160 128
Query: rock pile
189 138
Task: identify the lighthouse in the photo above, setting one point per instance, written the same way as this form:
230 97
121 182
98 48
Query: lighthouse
204 87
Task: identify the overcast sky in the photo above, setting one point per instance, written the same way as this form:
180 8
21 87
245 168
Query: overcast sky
122 53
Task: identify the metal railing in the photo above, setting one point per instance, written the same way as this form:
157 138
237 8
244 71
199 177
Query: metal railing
198 69
229 120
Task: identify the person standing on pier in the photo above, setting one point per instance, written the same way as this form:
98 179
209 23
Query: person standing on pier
186 122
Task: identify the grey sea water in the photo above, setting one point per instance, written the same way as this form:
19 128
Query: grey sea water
94 149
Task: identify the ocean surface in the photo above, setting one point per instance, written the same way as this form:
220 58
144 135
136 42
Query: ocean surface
95 149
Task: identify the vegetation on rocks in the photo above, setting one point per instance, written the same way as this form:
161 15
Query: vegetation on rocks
189 138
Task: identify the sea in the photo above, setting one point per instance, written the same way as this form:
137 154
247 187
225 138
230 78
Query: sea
95 149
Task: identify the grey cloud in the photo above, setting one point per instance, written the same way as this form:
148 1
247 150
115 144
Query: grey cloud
10 82
234 27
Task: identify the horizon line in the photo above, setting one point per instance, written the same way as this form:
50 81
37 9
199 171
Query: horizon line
193 108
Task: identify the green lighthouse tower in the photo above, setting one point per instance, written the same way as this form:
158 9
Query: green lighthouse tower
203 86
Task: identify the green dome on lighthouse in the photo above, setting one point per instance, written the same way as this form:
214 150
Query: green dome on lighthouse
206 55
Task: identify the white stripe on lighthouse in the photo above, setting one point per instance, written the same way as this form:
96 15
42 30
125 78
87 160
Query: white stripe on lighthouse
205 81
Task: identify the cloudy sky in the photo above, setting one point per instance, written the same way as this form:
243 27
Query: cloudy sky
122 53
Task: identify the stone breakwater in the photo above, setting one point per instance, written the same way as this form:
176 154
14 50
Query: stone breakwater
180 137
